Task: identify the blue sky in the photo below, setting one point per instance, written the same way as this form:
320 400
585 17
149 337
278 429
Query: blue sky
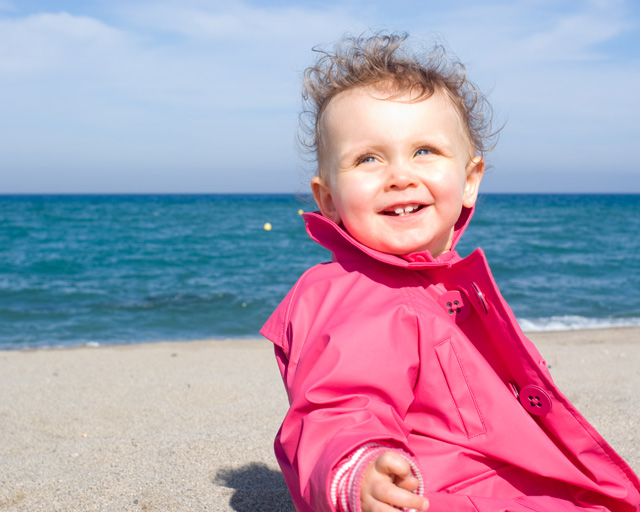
202 96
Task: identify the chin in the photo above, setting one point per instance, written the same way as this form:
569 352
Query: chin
401 250
408 247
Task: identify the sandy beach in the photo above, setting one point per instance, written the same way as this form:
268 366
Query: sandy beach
189 426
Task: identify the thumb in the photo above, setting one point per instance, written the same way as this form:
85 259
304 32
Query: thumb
393 464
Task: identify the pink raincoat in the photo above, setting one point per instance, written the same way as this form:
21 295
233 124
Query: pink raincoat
424 354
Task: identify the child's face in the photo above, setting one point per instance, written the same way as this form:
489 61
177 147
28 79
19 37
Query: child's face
396 172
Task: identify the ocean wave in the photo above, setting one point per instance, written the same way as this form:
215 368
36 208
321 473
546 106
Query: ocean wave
573 322
77 270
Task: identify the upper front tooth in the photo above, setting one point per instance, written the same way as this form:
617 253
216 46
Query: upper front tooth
399 211
408 209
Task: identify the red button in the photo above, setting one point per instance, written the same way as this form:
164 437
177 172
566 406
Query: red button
480 298
535 400
456 304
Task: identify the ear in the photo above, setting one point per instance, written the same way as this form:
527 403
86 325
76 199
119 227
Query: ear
475 170
324 199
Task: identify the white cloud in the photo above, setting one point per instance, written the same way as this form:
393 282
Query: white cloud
524 32
572 38
237 57
80 93
558 78
231 22
210 83
43 43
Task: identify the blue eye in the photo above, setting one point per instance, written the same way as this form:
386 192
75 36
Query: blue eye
366 159
423 151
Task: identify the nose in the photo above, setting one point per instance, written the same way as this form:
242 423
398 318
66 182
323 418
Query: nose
401 176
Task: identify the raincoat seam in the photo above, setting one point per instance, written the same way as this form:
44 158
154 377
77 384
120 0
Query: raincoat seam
451 399
469 390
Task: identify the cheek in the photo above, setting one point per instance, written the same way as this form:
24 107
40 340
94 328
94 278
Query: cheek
450 185
355 195
351 213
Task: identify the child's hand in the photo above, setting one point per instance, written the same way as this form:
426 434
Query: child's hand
388 484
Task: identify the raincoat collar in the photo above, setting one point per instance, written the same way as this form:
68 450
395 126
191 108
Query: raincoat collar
343 246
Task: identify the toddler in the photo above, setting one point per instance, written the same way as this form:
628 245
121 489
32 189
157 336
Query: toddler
410 383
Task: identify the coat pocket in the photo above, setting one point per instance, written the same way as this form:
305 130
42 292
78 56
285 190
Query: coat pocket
461 393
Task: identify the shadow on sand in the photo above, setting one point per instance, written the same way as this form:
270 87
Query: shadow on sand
257 488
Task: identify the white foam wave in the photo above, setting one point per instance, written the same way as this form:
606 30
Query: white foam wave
572 322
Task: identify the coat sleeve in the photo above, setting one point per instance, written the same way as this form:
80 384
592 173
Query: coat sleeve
349 361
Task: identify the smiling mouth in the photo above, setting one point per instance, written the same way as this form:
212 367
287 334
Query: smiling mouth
401 211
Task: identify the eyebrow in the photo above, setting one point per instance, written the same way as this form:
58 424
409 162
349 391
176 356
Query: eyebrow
437 143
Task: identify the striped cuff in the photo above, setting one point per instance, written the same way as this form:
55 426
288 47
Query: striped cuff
346 483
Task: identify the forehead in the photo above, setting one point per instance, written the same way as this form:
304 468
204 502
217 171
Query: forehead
362 109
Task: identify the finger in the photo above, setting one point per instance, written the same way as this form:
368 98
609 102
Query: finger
386 492
394 464
399 469
378 506
410 483
372 505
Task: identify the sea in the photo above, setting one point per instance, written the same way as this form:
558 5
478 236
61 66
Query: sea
120 269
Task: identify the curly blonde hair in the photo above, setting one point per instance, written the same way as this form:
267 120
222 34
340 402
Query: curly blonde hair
384 59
